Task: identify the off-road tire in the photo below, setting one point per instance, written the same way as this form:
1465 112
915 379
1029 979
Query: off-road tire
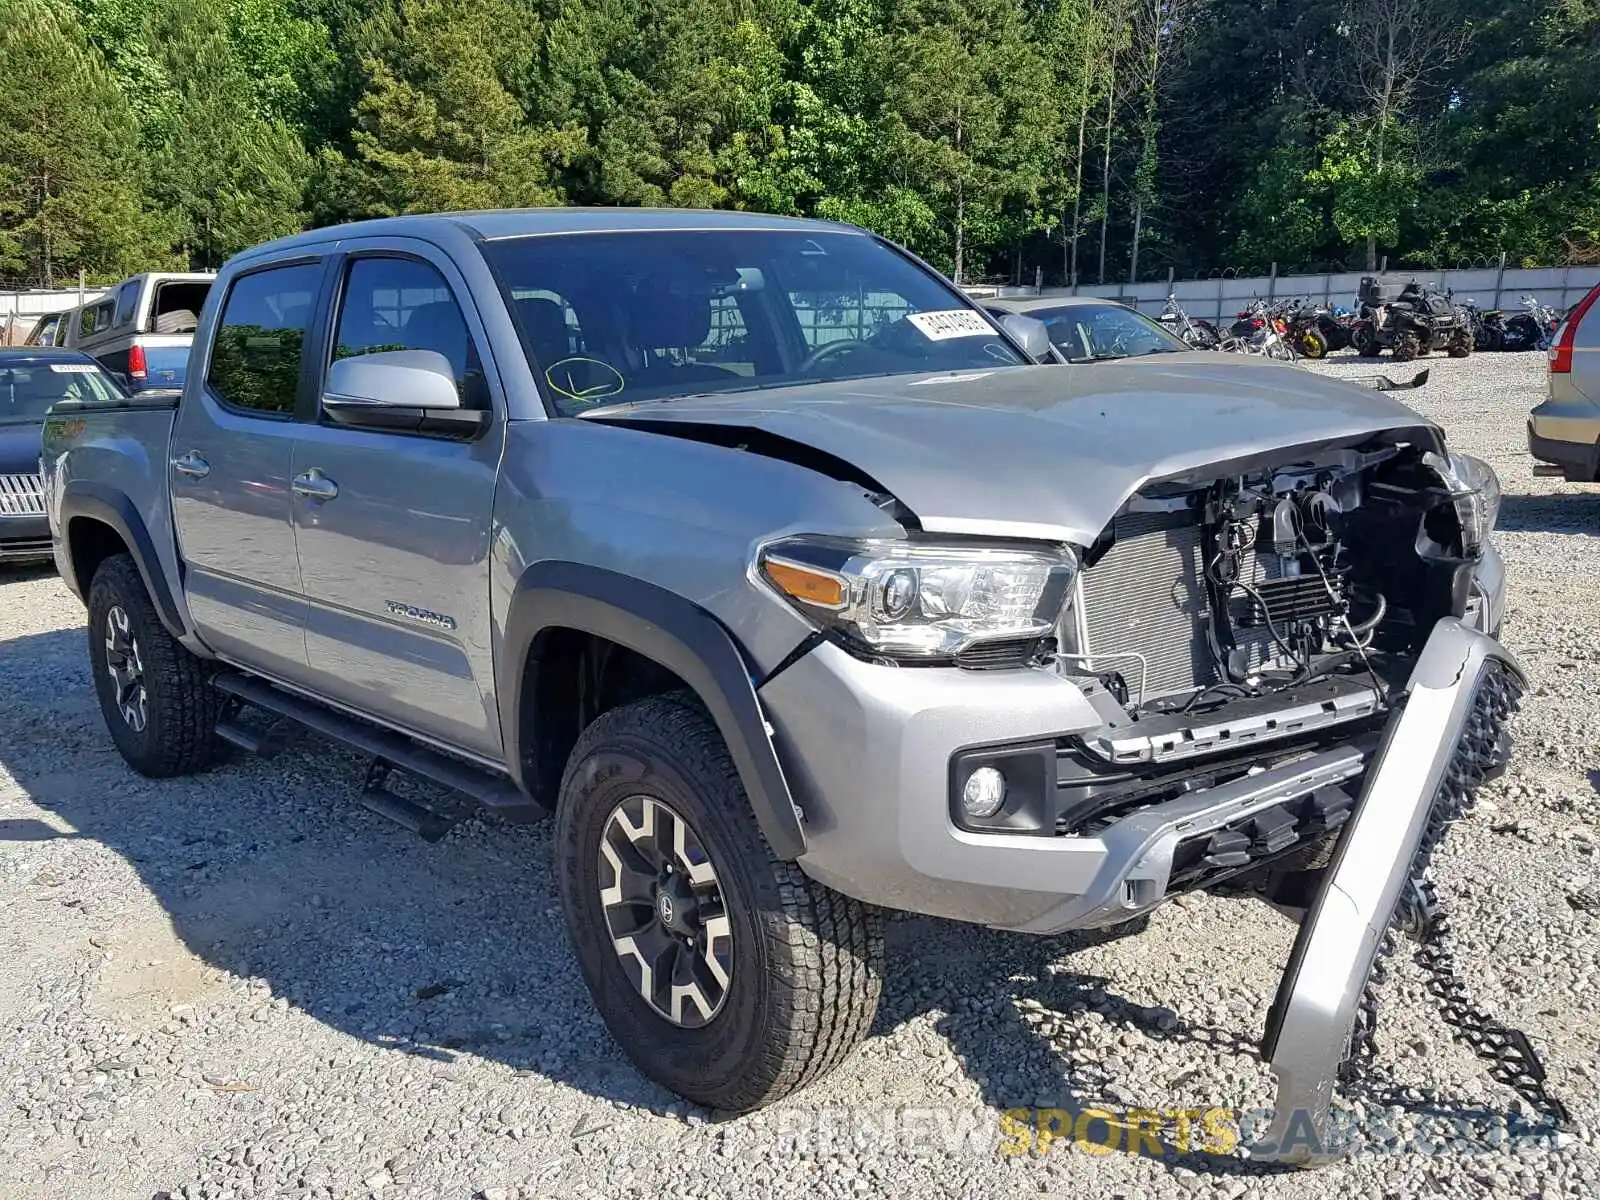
1460 345
1366 344
807 962
179 735
1310 343
1407 346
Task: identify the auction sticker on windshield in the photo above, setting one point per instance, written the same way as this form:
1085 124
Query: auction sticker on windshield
950 323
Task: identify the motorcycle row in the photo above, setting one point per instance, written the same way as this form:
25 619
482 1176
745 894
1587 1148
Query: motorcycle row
1409 322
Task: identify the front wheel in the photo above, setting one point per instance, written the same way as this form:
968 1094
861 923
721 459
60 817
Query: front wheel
1460 345
1311 344
723 972
157 698
1406 346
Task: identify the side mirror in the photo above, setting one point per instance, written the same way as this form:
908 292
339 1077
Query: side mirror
1030 333
407 390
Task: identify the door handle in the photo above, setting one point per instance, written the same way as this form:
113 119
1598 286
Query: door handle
191 465
314 485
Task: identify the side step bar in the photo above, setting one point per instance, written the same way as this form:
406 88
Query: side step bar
388 750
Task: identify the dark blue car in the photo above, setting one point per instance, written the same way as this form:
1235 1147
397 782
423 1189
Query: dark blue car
33 378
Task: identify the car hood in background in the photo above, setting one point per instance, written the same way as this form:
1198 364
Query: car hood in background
1046 452
19 447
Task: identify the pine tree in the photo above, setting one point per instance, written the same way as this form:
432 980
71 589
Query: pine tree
68 197
438 127
228 176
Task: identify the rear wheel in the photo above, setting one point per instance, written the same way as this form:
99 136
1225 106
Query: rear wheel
723 972
157 698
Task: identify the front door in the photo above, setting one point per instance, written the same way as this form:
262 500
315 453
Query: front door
231 453
393 528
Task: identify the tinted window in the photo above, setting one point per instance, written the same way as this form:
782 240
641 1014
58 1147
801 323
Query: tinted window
127 301
612 317
255 359
28 388
1105 331
403 304
95 319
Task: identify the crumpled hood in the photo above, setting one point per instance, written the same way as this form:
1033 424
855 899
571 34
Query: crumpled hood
1048 452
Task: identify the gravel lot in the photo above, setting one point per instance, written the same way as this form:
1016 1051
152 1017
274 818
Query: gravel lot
244 984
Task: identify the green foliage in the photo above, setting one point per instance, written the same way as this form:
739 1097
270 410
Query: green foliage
1369 170
68 192
226 175
994 137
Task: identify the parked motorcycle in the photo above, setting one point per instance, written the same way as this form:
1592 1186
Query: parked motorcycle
1202 335
1262 329
1315 331
1410 323
1493 329
1487 324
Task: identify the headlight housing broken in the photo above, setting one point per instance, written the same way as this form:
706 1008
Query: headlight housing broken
1475 493
920 602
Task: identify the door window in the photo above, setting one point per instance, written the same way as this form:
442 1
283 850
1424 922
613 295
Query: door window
404 304
256 356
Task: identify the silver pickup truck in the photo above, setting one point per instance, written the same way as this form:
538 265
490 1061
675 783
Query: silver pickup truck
790 583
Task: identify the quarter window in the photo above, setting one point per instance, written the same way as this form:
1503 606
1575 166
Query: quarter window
127 301
256 356
95 319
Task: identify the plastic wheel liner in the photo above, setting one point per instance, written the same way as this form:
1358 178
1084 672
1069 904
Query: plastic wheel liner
1447 735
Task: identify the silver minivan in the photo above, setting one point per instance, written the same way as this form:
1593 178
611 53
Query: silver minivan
141 329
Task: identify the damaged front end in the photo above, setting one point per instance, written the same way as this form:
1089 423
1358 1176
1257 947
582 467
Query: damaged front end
1299 693
1448 736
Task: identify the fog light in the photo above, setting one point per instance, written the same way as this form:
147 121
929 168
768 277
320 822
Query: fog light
984 793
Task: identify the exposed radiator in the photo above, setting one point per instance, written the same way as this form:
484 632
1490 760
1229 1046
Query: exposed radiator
1145 596
21 495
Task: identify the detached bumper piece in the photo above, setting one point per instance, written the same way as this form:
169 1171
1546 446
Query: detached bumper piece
1449 737
1262 836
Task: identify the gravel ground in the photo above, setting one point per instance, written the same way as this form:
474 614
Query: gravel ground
246 985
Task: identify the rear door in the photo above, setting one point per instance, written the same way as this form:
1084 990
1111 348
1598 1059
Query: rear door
231 455
393 528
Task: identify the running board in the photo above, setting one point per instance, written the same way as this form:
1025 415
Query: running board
495 793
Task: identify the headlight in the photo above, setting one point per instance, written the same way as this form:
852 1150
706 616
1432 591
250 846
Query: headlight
920 602
1475 493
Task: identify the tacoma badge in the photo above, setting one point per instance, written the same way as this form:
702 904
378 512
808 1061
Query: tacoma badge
425 615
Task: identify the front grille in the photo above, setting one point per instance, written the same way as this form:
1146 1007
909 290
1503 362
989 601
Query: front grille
21 496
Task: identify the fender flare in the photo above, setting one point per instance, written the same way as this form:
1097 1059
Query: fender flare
96 501
669 630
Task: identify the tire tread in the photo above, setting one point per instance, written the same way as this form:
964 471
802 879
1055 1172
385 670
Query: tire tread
826 949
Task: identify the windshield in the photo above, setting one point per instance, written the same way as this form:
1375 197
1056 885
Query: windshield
28 388
611 317
1088 332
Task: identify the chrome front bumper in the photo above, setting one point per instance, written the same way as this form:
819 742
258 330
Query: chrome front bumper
1308 1030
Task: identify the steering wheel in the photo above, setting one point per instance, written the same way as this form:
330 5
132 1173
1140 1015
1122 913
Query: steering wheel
829 351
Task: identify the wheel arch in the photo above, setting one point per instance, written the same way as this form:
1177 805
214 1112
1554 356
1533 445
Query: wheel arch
96 522
556 602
